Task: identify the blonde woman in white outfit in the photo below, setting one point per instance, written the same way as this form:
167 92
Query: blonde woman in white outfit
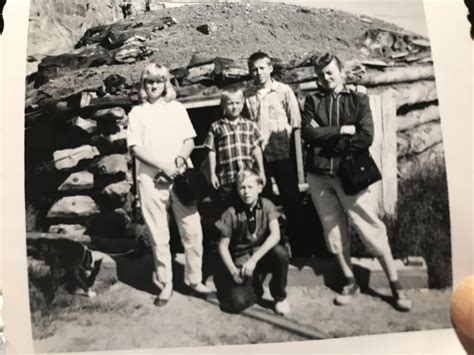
161 138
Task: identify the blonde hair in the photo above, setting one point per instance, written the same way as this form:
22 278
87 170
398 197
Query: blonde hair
228 93
246 173
154 70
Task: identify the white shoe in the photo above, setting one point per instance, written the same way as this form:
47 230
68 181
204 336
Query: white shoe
347 295
200 288
402 303
282 307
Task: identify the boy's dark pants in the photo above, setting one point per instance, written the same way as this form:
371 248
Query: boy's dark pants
234 298
287 181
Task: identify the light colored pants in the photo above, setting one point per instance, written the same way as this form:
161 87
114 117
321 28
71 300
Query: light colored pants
156 199
336 210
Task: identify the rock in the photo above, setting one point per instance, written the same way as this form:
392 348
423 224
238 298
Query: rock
114 84
114 164
70 229
207 28
88 126
69 158
131 53
79 181
74 207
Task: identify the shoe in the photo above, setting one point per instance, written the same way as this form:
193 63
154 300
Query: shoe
200 289
164 296
282 307
347 294
402 303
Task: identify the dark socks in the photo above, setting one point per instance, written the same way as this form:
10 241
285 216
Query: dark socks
396 287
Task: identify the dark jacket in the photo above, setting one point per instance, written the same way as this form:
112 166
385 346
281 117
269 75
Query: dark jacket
322 118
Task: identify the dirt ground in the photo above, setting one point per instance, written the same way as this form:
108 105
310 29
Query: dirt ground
124 317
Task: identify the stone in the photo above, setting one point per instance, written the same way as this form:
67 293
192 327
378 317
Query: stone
70 229
130 53
74 207
111 144
114 164
207 28
79 181
69 158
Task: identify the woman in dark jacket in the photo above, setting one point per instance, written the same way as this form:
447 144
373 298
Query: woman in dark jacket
337 122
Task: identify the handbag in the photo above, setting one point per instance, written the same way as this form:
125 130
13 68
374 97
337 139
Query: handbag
190 185
358 171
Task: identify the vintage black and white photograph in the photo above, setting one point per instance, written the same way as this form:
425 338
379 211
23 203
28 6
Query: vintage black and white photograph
229 173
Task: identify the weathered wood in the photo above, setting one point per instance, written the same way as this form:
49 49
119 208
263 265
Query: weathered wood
116 193
299 157
84 239
74 207
409 165
114 114
110 224
420 138
88 126
110 165
79 181
68 229
69 158
409 94
111 144
418 117
384 152
397 75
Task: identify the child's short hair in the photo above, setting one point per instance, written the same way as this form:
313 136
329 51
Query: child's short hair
258 56
157 71
321 62
227 93
246 173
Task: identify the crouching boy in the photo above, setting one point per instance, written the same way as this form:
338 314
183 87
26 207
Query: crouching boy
249 249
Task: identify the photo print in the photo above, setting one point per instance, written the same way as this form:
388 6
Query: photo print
228 173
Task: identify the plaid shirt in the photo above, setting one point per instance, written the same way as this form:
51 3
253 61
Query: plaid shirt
276 112
233 142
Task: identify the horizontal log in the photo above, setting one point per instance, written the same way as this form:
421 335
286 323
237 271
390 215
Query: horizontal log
433 155
69 158
84 239
68 229
79 181
111 224
408 94
86 125
114 114
74 207
419 139
110 165
418 117
397 75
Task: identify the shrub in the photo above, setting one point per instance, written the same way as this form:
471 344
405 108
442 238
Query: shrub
421 223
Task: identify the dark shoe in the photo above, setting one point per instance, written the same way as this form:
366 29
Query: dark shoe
164 296
347 294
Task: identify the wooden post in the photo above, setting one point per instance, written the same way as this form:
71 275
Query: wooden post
384 151
299 157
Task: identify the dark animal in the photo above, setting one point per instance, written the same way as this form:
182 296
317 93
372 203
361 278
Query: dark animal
70 262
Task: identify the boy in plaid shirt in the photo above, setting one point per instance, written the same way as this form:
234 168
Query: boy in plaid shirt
234 144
